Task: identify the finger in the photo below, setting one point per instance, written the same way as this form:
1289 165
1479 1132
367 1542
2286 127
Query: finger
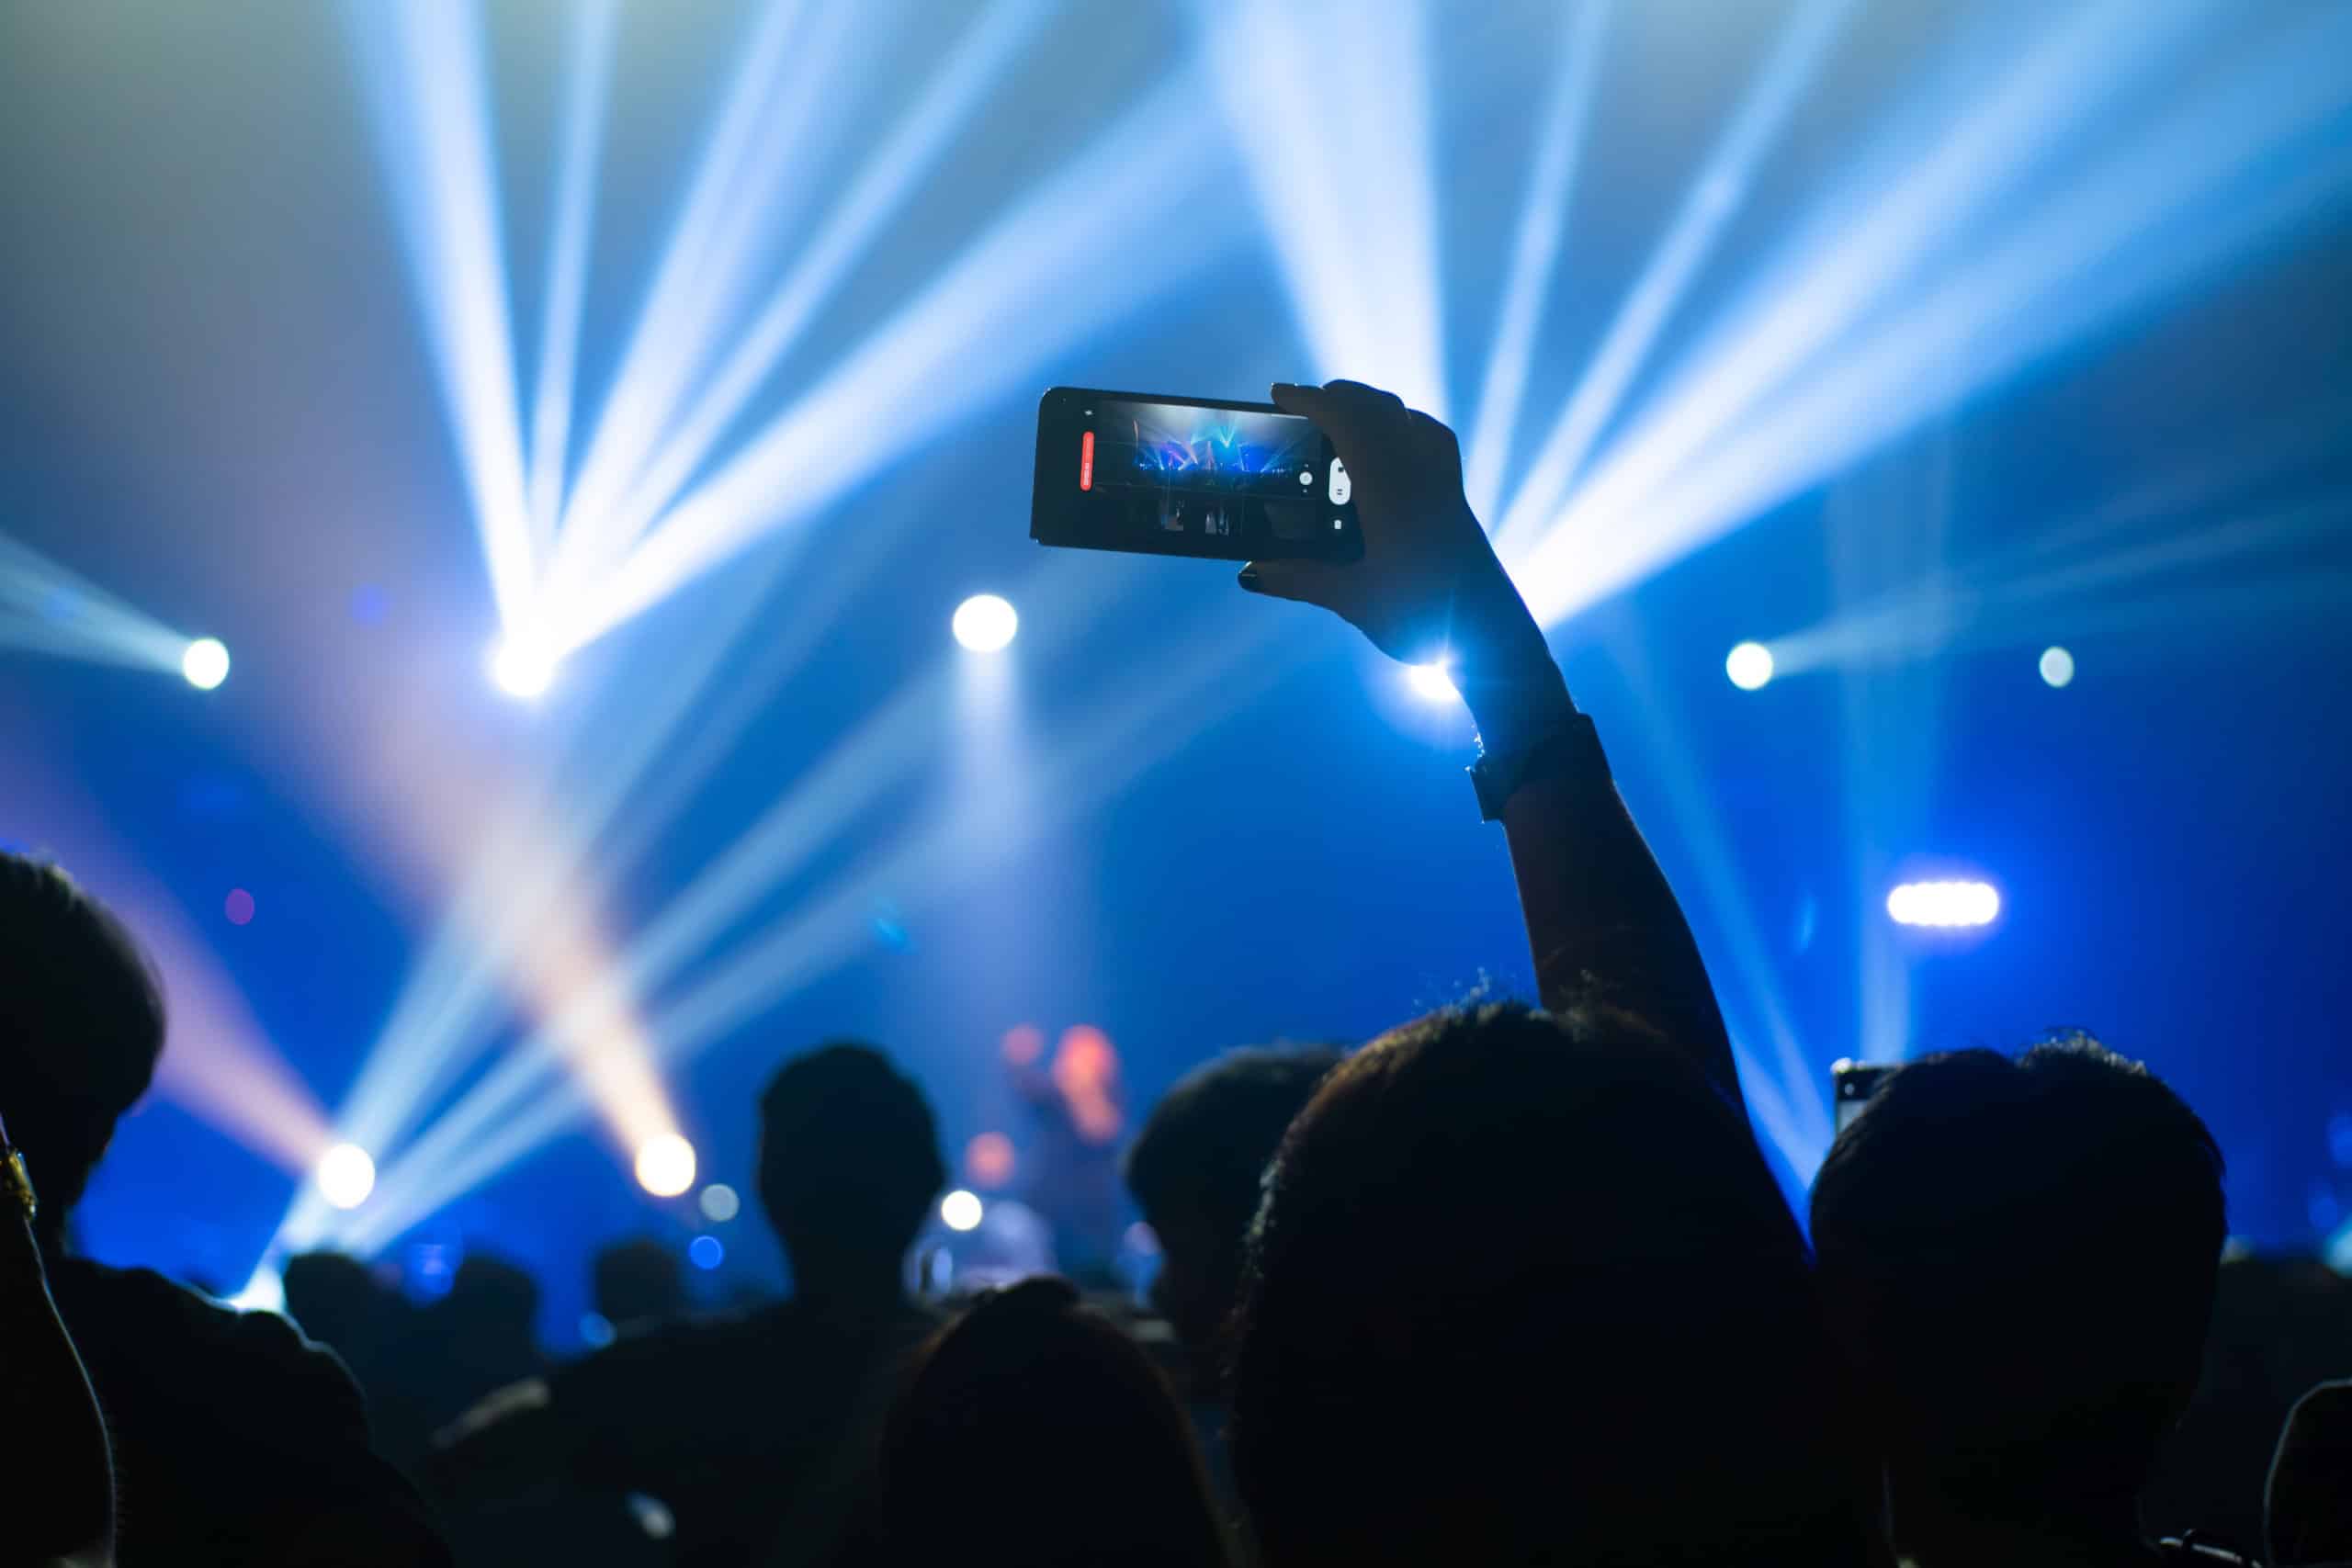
1306 581
1361 421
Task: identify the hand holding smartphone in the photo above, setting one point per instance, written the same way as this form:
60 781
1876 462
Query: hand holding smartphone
1155 475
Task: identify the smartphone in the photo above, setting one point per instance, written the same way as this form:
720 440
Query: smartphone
1165 475
1851 1084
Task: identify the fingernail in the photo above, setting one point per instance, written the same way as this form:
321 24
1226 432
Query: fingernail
1249 578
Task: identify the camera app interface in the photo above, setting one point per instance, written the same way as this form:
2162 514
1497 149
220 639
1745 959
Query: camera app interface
1220 472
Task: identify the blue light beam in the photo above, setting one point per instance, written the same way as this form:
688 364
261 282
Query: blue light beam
422 72
588 78
886 178
1708 208
1535 251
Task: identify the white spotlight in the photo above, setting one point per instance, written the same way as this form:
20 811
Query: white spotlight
1946 906
2057 666
985 623
665 1164
1749 666
347 1175
719 1203
1432 682
960 1210
205 663
522 668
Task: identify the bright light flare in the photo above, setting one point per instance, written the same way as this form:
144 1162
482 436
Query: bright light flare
961 1210
522 668
1750 665
1432 683
205 664
1943 906
2057 667
345 1176
985 623
719 1203
665 1164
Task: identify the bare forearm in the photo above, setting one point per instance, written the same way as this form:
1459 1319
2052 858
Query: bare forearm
1602 924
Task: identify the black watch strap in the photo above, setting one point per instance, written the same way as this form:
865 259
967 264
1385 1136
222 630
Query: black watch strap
1572 746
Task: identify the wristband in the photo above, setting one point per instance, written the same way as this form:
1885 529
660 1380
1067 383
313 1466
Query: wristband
1573 747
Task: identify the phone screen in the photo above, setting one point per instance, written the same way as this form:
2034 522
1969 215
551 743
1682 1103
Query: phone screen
1164 476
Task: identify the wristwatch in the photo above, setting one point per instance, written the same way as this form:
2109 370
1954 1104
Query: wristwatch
16 1181
1572 746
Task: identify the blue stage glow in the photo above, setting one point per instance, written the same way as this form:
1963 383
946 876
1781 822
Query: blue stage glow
707 1251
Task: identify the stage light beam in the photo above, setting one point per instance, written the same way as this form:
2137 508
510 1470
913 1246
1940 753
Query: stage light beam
427 86
1535 249
1712 201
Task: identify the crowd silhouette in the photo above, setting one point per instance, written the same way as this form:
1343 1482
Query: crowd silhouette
1509 1284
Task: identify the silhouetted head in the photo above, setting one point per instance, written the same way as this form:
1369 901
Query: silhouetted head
2309 1499
1196 1171
1522 1290
1032 1430
337 1301
493 1298
849 1164
638 1280
2018 1257
81 1028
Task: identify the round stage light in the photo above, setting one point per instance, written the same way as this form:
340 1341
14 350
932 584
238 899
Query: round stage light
719 1203
960 1211
1944 906
205 663
707 1251
985 623
665 1164
1749 666
2057 666
347 1175
521 669
1432 683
